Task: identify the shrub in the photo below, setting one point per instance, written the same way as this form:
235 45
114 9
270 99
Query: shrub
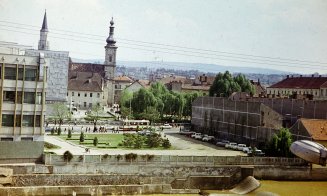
154 140
81 137
95 141
130 157
69 134
138 141
166 143
105 156
67 156
80 158
118 157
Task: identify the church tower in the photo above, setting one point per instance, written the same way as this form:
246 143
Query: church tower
110 64
110 54
43 43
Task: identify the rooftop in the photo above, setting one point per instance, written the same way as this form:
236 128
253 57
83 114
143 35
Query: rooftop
302 83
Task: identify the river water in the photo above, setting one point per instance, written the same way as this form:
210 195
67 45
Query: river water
281 188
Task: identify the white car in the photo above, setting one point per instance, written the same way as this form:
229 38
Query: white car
166 126
208 138
198 137
247 149
231 145
240 147
195 134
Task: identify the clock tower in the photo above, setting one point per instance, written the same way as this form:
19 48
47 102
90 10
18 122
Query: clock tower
110 54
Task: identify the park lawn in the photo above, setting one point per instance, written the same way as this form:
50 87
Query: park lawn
103 139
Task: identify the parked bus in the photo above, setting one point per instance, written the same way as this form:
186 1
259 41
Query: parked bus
131 125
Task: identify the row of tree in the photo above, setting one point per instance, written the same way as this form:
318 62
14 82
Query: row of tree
157 102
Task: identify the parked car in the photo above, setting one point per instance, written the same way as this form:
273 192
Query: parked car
230 145
233 147
144 132
195 134
222 143
199 136
166 126
208 138
240 147
247 149
256 152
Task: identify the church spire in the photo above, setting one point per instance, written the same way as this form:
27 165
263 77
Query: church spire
110 40
45 23
43 43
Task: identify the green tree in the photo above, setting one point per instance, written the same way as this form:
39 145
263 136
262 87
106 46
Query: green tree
60 112
224 85
95 141
95 114
125 103
69 135
279 144
59 131
82 137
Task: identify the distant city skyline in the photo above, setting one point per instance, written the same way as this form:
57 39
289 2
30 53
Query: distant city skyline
277 34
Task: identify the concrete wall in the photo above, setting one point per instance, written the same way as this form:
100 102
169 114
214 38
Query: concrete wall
20 151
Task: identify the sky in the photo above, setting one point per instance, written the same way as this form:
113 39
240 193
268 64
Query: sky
288 35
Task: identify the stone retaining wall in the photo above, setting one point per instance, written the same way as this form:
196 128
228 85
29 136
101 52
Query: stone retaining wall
173 160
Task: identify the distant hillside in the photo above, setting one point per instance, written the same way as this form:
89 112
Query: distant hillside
189 66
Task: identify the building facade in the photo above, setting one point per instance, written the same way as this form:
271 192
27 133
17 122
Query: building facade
300 87
22 106
57 69
106 71
85 90
239 121
121 82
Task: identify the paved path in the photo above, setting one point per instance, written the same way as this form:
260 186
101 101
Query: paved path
64 146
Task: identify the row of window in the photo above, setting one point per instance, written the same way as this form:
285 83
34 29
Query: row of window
11 74
8 120
85 94
29 97
283 92
12 139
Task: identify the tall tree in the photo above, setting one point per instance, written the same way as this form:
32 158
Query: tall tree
224 85
279 144
60 112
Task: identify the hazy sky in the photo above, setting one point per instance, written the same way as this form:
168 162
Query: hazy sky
231 33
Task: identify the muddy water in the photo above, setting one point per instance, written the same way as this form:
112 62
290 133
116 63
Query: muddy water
281 188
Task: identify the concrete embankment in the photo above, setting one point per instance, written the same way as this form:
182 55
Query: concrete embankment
98 176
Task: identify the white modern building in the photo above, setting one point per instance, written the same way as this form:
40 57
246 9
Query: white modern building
22 106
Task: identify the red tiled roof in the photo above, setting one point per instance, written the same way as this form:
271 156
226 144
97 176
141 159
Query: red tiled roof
123 79
316 128
88 67
84 81
301 83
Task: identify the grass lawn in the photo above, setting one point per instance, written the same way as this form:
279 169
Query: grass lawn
103 140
